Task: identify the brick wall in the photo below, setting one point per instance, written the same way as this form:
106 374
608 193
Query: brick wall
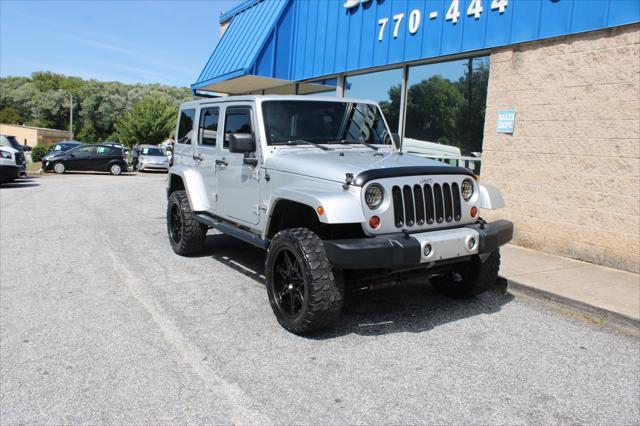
570 172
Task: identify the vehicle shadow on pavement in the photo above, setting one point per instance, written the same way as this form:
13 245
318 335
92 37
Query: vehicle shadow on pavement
413 307
25 182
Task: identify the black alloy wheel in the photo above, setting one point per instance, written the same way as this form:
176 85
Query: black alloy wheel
289 283
175 224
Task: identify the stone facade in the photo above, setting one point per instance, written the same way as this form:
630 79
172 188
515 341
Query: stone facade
570 172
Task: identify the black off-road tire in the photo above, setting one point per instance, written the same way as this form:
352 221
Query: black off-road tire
192 234
477 277
323 290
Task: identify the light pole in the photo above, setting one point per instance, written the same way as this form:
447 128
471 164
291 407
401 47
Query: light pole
71 115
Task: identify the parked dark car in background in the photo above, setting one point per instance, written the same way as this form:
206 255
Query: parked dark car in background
99 158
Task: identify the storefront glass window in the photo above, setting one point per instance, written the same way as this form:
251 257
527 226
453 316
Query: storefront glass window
382 87
446 103
319 87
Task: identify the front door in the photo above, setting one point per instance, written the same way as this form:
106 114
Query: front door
237 181
207 151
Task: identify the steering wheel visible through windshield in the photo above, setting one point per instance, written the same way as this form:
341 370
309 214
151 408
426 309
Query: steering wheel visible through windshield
323 122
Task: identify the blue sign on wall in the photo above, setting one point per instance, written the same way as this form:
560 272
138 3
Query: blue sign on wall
506 121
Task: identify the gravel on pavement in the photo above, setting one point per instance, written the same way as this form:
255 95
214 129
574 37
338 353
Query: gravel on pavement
100 322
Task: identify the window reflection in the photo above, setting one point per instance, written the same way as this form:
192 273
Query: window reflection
446 103
326 87
382 87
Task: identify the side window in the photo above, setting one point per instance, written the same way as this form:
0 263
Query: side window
209 126
237 120
185 126
103 150
84 151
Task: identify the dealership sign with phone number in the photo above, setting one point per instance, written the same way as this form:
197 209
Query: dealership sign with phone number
306 40
321 38
475 9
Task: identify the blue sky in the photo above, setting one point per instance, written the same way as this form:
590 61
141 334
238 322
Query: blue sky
129 41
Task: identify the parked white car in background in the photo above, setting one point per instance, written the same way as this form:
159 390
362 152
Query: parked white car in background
12 164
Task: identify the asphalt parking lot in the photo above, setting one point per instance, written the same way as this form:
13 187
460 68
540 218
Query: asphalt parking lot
101 323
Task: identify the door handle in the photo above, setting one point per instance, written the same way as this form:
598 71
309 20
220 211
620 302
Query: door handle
197 157
222 162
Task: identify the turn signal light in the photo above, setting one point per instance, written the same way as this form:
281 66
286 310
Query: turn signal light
474 211
320 210
374 222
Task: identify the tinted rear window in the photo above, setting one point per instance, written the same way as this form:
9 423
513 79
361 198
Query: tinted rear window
185 126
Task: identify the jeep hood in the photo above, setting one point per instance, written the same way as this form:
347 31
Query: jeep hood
333 165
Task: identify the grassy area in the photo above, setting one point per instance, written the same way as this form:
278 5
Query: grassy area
34 167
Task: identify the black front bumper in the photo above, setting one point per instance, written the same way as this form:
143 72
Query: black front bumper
395 251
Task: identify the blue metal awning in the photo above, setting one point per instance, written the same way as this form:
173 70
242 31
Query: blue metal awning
251 27
272 45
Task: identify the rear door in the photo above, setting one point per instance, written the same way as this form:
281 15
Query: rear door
80 158
237 181
185 137
207 150
103 157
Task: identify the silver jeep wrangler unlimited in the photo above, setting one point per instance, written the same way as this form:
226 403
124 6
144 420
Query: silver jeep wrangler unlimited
320 184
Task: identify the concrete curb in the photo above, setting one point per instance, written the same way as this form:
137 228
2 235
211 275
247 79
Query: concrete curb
577 309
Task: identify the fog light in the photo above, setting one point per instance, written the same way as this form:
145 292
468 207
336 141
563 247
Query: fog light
474 211
374 222
471 243
426 250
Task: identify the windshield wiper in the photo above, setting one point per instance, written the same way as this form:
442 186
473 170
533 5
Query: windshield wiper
359 142
302 142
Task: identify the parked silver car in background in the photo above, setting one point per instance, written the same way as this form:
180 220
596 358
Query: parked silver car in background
152 158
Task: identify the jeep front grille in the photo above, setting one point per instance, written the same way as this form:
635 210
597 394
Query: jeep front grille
426 204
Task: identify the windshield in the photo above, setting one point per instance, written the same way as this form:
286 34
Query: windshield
13 142
152 151
64 146
324 122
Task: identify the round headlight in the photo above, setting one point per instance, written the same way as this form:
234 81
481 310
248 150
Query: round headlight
467 189
373 196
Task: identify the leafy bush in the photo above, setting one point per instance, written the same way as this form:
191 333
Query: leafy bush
149 121
38 152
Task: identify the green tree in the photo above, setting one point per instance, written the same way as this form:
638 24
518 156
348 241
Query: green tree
391 108
470 115
11 115
43 100
149 121
432 109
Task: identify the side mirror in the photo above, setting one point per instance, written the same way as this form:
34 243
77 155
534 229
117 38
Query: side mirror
241 143
396 139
